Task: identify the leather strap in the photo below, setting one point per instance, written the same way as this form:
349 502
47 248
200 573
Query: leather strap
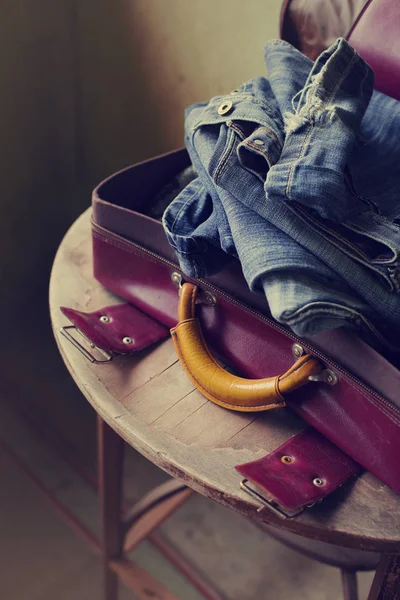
301 472
119 329
217 384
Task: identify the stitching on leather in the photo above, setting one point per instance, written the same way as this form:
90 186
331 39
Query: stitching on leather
277 390
205 392
193 301
299 366
114 243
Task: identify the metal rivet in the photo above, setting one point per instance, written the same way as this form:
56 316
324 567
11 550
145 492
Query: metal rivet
176 278
225 107
287 459
127 340
326 376
330 378
258 142
104 319
319 482
210 299
297 350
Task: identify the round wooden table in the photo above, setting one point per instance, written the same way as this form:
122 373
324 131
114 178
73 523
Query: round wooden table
148 401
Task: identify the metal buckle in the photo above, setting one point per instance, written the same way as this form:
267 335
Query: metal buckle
271 504
107 356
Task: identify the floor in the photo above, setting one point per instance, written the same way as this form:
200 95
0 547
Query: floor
43 559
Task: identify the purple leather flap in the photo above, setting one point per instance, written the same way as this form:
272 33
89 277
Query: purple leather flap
122 328
301 472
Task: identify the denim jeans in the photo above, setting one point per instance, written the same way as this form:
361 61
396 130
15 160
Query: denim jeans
297 178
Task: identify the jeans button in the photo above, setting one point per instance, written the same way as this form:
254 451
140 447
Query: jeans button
225 107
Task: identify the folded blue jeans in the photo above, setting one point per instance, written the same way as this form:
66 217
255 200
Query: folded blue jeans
281 169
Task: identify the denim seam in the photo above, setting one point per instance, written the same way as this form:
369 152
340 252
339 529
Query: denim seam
230 146
333 236
307 137
303 313
129 249
336 235
349 180
180 211
236 128
299 214
227 237
394 275
280 142
199 267
387 223
341 78
294 163
383 261
187 252
287 45
243 137
270 131
260 151
220 120
330 308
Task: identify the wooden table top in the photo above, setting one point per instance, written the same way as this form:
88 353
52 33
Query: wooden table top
150 402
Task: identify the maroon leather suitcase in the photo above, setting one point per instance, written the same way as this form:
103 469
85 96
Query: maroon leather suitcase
356 401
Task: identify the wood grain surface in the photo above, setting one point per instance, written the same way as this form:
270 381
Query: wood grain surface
151 403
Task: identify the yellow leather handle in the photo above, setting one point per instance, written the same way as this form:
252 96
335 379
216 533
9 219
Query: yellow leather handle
221 387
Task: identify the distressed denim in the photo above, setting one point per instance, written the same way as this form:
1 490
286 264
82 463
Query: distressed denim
297 177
